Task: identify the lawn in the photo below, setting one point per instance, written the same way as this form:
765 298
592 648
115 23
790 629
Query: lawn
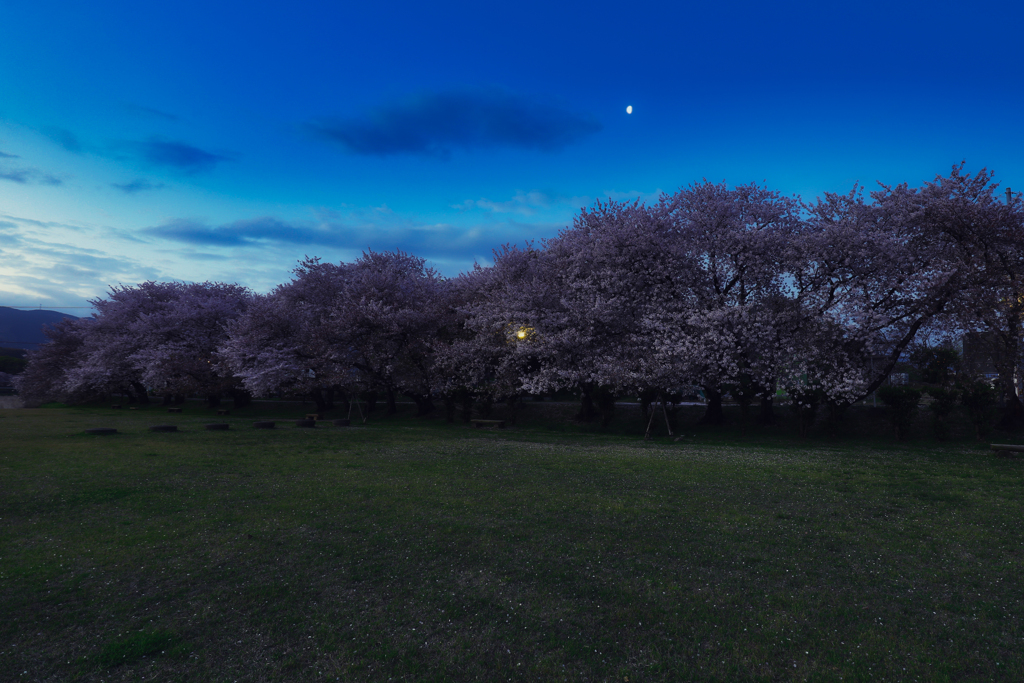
411 549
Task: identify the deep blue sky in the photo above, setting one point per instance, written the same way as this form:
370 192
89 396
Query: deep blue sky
224 141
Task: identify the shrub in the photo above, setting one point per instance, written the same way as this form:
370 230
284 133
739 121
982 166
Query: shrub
979 398
902 403
935 365
943 403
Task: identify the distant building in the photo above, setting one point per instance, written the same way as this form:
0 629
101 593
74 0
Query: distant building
976 359
979 350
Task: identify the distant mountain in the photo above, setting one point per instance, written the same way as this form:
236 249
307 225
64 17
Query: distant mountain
24 329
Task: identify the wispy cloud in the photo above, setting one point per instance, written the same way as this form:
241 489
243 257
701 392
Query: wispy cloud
177 155
19 220
65 138
9 236
437 242
19 175
525 203
154 152
5 155
41 268
150 112
137 185
239 233
436 123
24 176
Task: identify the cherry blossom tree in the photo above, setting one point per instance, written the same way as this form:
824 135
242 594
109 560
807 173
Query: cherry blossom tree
739 290
386 315
987 237
341 327
616 269
286 342
568 315
45 378
871 279
159 334
178 341
492 347
463 358
914 261
106 363
738 245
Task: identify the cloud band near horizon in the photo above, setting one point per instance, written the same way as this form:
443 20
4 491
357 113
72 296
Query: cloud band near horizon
445 242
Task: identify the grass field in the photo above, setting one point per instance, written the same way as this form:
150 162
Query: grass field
410 549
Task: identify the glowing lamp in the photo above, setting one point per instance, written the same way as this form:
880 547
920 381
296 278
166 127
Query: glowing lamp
523 333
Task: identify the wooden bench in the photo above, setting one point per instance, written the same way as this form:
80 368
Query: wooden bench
223 412
174 410
314 416
499 424
1007 450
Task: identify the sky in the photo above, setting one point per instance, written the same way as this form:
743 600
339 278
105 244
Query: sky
225 141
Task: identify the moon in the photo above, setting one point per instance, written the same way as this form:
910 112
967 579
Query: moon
629 109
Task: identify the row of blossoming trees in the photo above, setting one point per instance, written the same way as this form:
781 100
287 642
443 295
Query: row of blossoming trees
741 292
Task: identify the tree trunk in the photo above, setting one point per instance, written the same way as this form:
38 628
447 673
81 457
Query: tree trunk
485 403
329 398
713 414
743 394
606 404
836 411
1006 353
647 397
664 410
318 397
512 403
370 397
587 411
1013 410
140 393
212 400
449 407
240 398
344 404
806 408
767 411
424 404
467 405
392 407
